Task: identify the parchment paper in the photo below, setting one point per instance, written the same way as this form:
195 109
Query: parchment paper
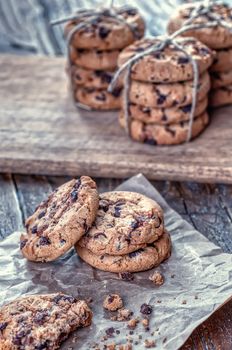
198 280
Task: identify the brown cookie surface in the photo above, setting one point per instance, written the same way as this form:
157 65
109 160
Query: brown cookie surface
60 221
106 33
99 99
215 37
221 79
171 134
169 65
143 259
125 222
37 322
222 61
221 96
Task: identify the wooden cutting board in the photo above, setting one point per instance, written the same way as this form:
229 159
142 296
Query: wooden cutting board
41 132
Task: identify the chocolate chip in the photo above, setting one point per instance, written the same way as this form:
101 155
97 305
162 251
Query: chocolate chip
126 276
103 32
183 60
204 51
150 141
74 195
187 108
105 77
116 92
164 117
100 234
137 252
161 99
216 75
146 110
117 331
117 211
77 76
131 12
23 243
146 309
34 229
62 242
41 215
101 96
3 325
42 346
17 340
104 206
110 331
68 298
111 298
171 131
40 317
80 51
44 241
134 224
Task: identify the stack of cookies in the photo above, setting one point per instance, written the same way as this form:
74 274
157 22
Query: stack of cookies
128 234
120 232
161 91
218 38
94 50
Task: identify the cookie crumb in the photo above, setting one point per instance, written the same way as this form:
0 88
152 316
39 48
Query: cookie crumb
149 344
196 297
113 302
132 323
146 309
184 302
125 347
110 346
159 301
157 278
164 341
145 323
110 332
172 276
126 276
124 315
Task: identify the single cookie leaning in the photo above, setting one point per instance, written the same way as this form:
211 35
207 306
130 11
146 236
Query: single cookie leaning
215 37
143 259
169 65
60 221
125 222
105 33
41 321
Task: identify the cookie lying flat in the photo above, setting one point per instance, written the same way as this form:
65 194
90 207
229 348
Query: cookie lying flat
95 59
170 65
222 61
165 116
91 78
60 221
107 34
215 37
37 322
172 134
167 95
221 96
125 221
220 79
140 260
99 99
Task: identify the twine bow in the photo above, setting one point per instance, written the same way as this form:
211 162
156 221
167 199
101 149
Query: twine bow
202 9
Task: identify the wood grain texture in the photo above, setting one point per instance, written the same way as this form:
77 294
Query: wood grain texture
207 207
41 132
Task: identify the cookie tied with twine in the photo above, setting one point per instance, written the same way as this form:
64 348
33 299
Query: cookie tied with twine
101 29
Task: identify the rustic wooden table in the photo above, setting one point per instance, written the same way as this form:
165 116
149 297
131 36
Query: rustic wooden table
207 207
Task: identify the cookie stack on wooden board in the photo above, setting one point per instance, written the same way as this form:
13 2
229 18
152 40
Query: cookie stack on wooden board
121 232
161 91
217 38
94 50
128 234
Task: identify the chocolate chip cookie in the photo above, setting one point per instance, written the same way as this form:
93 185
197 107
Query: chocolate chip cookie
125 222
156 95
60 221
95 59
143 259
105 33
37 322
166 116
99 99
217 37
169 65
221 96
220 79
171 134
222 60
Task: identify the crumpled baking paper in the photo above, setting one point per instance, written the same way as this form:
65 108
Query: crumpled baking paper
198 280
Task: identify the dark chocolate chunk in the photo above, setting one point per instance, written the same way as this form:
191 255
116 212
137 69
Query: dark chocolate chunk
164 117
41 215
105 77
137 252
62 242
99 234
146 309
44 241
134 224
74 195
146 110
104 206
40 317
187 108
110 331
44 345
23 243
101 96
3 325
68 298
183 60
34 229
150 141
117 211
103 32
116 92
171 131
131 12
204 51
161 99
126 276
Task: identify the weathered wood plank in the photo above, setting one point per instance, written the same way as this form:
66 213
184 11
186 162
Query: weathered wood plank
41 132
10 214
